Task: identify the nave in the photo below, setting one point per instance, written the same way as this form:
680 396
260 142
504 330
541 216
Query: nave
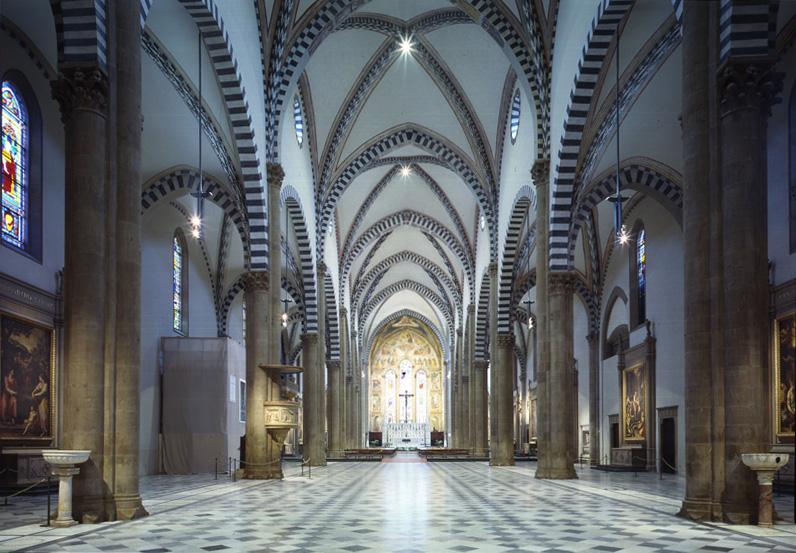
411 507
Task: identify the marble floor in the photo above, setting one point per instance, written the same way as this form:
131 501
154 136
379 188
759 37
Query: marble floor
403 507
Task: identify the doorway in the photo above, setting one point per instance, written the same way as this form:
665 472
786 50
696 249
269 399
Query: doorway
668 446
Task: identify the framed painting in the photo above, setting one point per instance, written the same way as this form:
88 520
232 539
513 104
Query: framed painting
785 377
27 376
634 399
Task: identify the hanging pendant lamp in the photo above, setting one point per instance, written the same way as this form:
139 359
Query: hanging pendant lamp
197 220
617 199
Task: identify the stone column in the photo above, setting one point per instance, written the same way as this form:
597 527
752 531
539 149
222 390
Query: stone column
314 392
747 90
351 404
594 399
345 368
457 403
275 175
82 94
701 446
479 382
335 408
561 441
541 178
493 382
259 445
128 261
468 415
501 443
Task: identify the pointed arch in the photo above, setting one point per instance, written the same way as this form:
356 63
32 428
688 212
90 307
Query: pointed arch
292 201
365 352
409 218
524 201
423 291
482 320
416 135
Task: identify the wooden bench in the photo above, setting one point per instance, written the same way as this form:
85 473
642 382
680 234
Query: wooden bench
442 453
371 453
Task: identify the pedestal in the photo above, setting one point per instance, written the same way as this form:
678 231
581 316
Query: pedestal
765 465
64 474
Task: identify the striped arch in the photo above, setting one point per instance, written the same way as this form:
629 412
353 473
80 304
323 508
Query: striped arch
332 321
482 321
412 218
523 202
637 176
237 286
81 33
184 178
290 198
610 14
383 266
366 204
747 29
365 352
423 291
206 15
590 303
423 138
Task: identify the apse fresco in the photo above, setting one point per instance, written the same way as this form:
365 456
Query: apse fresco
406 376
26 372
785 377
634 399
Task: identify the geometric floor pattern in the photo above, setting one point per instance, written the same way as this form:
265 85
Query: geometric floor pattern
411 507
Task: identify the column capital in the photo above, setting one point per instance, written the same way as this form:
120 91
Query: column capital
480 364
321 267
343 311
471 309
255 280
81 88
505 339
540 172
274 174
459 332
561 283
309 339
333 364
493 269
748 85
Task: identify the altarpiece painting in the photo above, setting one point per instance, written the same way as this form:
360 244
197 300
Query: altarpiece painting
27 370
634 404
785 377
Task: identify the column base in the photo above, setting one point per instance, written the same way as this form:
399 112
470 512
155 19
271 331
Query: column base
66 523
501 462
129 507
89 510
263 473
480 452
336 454
567 473
700 510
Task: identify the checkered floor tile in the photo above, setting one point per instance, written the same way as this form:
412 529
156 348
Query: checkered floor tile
410 507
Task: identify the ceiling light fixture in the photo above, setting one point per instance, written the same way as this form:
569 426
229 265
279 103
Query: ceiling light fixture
406 45
406 171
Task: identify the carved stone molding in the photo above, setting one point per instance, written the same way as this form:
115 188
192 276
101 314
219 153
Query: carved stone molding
480 364
310 339
471 309
332 364
540 172
561 283
255 280
748 86
504 340
81 88
492 270
275 174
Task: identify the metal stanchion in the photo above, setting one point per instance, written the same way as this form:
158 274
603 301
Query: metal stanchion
216 469
229 466
234 472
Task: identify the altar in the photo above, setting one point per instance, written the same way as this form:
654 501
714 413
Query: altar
409 435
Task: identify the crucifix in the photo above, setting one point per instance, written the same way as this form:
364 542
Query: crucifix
406 395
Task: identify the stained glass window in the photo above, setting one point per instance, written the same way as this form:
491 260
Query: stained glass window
641 274
15 167
514 126
298 119
177 283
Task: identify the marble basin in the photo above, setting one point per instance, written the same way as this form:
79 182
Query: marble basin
66 457
764 461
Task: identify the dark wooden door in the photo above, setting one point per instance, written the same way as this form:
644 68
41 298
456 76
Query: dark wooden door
668 446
